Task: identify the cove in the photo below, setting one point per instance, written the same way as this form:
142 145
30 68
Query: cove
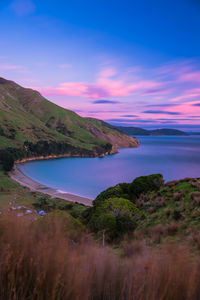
173 156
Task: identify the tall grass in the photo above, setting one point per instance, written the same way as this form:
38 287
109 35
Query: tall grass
48 260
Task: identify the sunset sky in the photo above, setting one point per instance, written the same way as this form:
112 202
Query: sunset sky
130 63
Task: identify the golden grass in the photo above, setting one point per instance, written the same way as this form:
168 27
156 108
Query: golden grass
47 260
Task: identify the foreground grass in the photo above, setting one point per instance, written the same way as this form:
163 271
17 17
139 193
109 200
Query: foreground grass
53 258
57 257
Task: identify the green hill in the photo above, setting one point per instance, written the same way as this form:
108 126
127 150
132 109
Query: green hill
157 132
28 119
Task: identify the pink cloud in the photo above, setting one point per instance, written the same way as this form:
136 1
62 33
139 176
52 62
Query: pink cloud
108 72
174 87
187 94
187 108
10 67
106 85
190 77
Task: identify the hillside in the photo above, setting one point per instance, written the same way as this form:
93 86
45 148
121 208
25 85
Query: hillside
156 132
26 116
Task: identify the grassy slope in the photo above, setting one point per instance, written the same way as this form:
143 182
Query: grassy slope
173 203
12 191
35 118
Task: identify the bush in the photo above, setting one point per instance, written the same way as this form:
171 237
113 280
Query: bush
6 159
115 216
120 190
145 184
42 201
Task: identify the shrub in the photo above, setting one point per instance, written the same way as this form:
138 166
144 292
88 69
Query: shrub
42 201
6 159
145 184
119 190
115 216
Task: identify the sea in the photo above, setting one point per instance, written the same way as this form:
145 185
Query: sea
175 157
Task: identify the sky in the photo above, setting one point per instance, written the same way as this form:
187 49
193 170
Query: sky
127 62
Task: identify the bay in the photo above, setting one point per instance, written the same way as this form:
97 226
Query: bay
173 156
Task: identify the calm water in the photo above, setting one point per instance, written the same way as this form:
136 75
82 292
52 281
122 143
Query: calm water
174 157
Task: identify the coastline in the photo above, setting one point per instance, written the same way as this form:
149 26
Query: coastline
24 160
17 175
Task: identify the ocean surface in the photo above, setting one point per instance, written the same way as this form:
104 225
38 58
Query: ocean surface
174 157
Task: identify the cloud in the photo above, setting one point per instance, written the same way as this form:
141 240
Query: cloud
104 101
196 104
129 116
171 90
159 91
10 67
107 84
64 66
173 82
161 112
160 105
108 72
190 77
23 7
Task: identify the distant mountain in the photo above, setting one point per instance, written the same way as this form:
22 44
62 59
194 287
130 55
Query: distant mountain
156 132
30 122
194 133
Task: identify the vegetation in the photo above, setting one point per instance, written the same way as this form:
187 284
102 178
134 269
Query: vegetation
44 148
132 190
151 243
115 216
7 160
144 184
54 258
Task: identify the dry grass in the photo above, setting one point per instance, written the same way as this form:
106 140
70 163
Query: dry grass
46 260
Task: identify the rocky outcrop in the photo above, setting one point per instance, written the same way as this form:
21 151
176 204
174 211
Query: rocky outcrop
118 140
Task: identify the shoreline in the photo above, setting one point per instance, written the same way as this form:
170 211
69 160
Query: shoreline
17 175
34 186
54 156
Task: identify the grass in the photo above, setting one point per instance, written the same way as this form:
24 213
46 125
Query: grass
10 190
53 259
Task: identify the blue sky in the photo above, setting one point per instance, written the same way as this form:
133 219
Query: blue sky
132 63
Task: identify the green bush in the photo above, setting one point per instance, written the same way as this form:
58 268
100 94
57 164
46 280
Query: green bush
115 216
120 190
145 184
43 201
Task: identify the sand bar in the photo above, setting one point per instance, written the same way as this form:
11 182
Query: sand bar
17 175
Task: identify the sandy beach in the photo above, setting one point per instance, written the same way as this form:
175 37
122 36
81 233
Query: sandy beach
17 175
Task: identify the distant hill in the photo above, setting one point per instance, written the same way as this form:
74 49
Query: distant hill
30 122
156 132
